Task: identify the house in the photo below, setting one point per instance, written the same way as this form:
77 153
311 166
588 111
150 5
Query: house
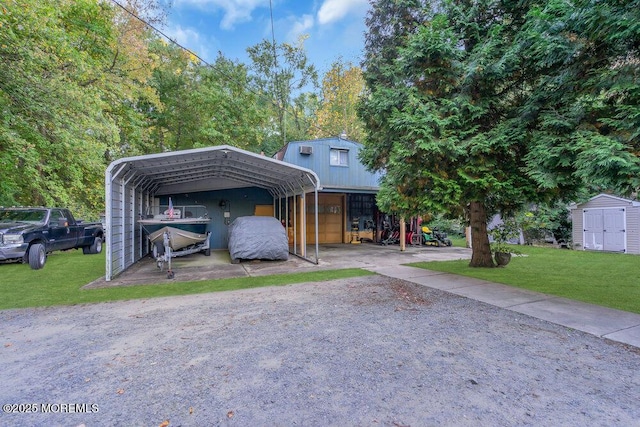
347 210
607 223
230 182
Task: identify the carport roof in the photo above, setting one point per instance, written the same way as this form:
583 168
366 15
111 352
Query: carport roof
212 168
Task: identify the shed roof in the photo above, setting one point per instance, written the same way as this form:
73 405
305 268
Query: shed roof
616 200
213 168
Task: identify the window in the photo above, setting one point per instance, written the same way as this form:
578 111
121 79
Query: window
56 216
339 157
362 206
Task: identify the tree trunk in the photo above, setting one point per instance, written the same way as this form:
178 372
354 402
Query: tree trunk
481 251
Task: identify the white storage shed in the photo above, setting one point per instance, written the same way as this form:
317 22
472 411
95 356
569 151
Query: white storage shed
607 223
131 183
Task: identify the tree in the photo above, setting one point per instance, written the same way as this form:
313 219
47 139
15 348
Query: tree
53 132
460 99
73 94
204 105
342 87
584 114
281 73
126 80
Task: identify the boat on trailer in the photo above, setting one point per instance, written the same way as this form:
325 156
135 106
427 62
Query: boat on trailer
177 231
178 238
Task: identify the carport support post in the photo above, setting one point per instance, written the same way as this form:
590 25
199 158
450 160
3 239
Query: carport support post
303 225
295 224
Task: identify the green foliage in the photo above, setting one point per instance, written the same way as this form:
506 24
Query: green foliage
83 83
203 106
542 221
500 103
342 86
65 93
503 233
453 227
37 94
280 73
584 112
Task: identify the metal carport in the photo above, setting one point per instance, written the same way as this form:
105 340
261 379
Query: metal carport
130 184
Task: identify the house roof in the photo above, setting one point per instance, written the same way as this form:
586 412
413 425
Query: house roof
213 168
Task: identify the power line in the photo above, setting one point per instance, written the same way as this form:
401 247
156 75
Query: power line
277 88
186 49
282 108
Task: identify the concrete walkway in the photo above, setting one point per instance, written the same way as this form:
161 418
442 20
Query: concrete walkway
603 322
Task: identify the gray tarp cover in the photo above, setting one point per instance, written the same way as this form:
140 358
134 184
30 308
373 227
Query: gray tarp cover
257 237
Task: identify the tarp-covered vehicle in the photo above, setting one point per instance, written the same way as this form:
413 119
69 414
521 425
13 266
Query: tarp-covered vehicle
257 237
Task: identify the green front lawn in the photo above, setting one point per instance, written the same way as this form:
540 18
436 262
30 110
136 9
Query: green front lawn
59 282
606 279
610 280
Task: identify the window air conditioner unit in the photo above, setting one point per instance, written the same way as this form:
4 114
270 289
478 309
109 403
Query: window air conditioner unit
306 149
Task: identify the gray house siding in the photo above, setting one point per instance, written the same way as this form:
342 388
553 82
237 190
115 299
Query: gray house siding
627 211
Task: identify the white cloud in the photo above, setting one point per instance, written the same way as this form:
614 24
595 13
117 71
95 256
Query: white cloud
184 36
190 39
300 25
334 10
234 11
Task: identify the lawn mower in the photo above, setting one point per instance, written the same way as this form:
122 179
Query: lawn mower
435 237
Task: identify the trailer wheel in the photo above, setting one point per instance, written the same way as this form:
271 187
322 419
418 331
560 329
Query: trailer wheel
158 249
37 256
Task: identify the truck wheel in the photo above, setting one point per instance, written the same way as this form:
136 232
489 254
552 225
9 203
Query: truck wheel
37 256
95 248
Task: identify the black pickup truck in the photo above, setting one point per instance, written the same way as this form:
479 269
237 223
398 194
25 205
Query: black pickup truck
28 234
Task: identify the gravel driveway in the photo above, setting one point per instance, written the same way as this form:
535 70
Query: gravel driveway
368 351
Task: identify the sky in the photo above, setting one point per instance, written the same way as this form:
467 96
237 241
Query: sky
335 27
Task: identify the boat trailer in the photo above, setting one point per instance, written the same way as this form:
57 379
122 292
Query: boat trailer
163 253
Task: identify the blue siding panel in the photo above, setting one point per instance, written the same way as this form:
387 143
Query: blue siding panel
351 178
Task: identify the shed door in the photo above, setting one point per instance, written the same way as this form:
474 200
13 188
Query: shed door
604 229
614 229
593 229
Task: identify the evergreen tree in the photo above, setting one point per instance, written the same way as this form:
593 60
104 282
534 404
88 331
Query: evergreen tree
469 101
